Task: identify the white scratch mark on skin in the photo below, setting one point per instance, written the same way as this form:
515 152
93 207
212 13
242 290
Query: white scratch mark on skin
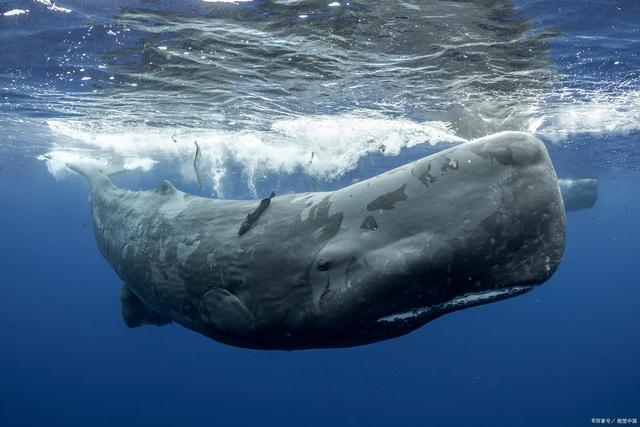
461 301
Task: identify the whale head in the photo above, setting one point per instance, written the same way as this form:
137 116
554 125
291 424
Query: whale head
476 223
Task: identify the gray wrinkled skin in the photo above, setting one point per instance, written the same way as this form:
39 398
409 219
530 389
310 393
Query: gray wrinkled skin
472 224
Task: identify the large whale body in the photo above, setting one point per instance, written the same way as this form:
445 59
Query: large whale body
472 224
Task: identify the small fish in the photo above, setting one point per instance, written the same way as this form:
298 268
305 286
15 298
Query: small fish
252 217
196 165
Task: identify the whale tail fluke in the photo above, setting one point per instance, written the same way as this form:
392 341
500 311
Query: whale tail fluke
96 175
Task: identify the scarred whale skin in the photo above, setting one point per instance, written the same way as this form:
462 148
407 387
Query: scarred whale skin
472 224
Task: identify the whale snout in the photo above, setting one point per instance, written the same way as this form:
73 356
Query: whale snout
488 224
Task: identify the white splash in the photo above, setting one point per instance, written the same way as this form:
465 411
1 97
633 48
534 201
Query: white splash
52 6
323 147
592 113
16 12
57 161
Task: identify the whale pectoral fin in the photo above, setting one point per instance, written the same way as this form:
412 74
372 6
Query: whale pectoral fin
136 313
223 311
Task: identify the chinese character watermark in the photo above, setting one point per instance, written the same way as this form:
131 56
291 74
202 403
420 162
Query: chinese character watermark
614 420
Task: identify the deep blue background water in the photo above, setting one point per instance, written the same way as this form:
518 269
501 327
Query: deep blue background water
560 355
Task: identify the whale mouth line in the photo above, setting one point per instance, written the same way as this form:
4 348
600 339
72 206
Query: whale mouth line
463 301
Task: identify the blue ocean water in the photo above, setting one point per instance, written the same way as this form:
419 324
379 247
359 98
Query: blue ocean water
297 96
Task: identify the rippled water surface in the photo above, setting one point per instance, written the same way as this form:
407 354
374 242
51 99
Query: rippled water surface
264 86
299 96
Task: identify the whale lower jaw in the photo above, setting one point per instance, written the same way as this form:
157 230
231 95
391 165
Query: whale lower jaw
458 303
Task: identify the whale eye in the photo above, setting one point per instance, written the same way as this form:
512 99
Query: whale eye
324 265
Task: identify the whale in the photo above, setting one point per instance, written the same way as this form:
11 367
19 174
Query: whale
578 194
472 224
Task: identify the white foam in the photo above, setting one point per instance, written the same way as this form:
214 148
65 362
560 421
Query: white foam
324 147
143 164
593 113
16 12
52 6
57 161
